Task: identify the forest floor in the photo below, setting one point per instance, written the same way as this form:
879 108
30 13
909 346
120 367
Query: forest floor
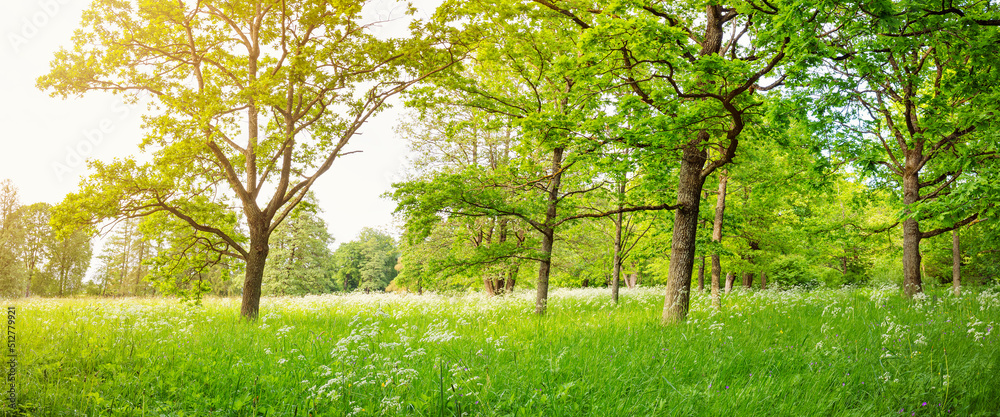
858 351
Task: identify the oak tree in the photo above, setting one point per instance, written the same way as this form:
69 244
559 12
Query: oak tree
249 104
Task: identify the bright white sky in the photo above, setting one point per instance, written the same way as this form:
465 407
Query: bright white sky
45 139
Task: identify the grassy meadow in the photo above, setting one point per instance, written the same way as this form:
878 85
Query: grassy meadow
857 352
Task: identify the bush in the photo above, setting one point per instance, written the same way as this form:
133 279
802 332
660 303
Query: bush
794 270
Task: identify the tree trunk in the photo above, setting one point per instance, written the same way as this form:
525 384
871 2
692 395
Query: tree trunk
511 279
730 278
616 269
716 283
689 185
139 273
911 233
548 232
720 209
701 275
763 280
542 292
488 285
956 263
256 259
27 286
748 280
124 271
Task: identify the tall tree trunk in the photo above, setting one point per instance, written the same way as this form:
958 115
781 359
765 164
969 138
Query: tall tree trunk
720 209
616 269
956 264
689 185
125 266
716 282
911 232
31 274
701 275
139 273
256 259
548 232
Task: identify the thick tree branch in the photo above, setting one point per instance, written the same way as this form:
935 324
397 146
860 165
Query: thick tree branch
968 220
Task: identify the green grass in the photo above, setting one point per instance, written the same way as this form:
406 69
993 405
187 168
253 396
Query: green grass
856 352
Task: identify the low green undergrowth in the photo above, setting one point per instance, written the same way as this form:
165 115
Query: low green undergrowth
858 351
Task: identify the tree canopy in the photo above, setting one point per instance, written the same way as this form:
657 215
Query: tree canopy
785 142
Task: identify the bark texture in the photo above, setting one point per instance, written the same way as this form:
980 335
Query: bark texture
544 266
690 183
256 259
490 286
911 231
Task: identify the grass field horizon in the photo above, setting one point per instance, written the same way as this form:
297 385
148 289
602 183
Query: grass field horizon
853 351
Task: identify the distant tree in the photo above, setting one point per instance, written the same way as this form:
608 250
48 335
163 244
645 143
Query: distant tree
34 253
441 249
347 262
12 273
584 256
33 260
125 259
368 262
301 261
69 258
